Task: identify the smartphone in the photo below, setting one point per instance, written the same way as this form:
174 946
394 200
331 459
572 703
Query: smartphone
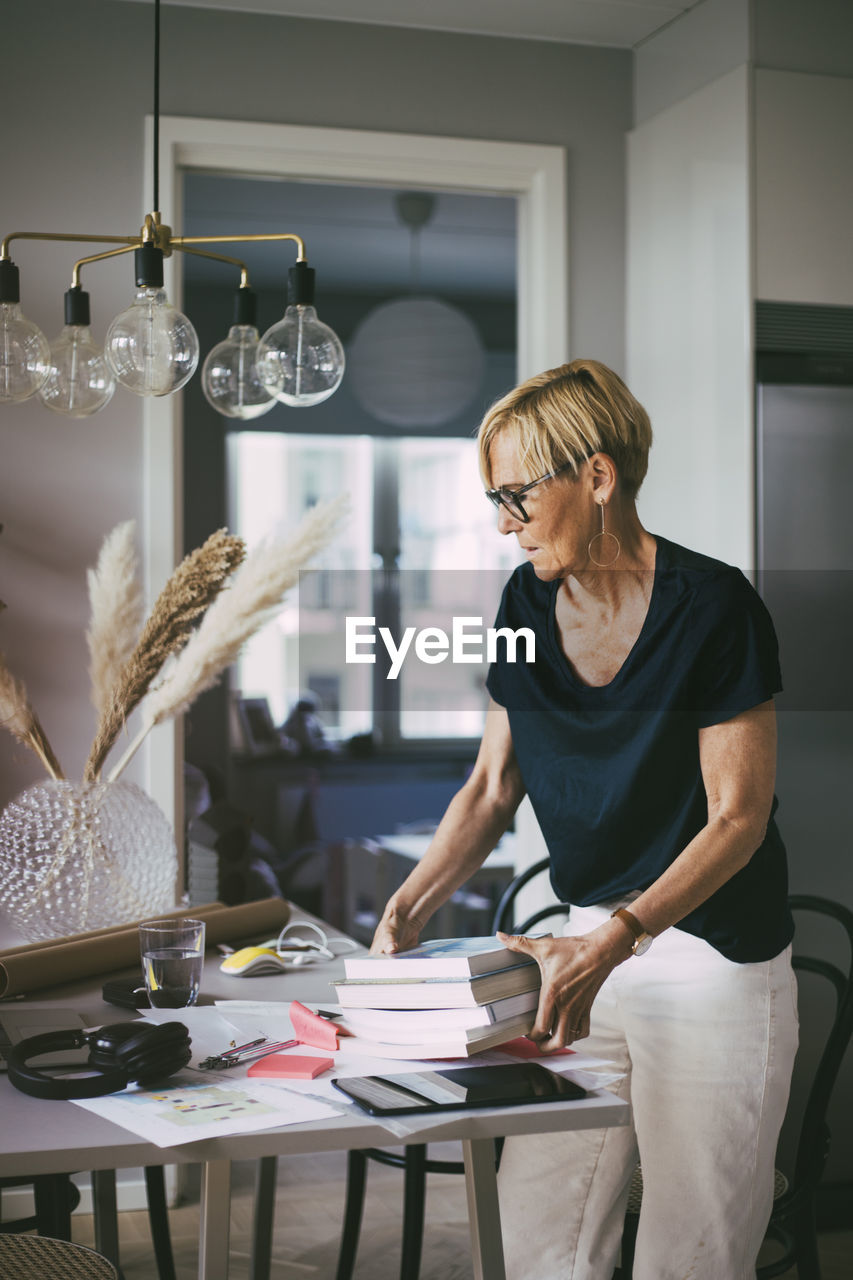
126 993
516 1084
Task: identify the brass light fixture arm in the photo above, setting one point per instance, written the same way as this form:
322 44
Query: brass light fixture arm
180 241
98 257
156 232
218 257
131 241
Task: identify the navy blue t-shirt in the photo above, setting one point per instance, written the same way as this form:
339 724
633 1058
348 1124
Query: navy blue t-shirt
613 772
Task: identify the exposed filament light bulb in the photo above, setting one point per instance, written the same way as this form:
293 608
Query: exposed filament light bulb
229 377
152 348
24 350
300 360
79 381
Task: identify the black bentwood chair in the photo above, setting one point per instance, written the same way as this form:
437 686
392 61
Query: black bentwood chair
793 1218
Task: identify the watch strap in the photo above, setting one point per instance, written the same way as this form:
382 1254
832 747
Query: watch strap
632 923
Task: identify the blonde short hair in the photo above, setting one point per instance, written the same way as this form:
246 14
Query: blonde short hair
564 415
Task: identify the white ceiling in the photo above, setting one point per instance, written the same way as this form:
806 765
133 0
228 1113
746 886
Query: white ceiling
616 23
356 241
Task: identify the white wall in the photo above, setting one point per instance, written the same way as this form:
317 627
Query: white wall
689 303
803 187
72 161
698 48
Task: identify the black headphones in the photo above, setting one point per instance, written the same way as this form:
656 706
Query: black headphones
122 1052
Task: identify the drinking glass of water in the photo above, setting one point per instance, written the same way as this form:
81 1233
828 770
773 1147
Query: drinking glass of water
172 958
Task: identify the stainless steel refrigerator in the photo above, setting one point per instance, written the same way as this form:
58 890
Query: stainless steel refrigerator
805 557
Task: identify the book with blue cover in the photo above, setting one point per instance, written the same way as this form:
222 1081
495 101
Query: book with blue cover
436 993
440 958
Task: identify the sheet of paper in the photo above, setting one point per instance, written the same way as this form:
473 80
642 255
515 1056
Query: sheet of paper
209 1029
261 1018
212 1030
191 1109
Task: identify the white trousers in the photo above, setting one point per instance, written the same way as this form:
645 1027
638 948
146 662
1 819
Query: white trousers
707 1047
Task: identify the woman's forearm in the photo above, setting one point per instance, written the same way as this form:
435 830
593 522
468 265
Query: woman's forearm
473 823
476 818
712 857
573 969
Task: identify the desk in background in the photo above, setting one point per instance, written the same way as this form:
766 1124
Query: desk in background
469 912
347 798
363 874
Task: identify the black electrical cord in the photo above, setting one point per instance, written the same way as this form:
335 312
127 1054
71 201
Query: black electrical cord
156 105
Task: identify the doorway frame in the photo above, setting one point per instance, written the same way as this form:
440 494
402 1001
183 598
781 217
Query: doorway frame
534 174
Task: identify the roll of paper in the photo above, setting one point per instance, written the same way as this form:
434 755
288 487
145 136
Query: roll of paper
37 965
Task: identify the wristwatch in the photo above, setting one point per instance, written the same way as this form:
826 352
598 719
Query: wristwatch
642 940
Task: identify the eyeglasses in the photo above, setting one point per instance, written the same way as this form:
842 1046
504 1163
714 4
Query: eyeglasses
511 498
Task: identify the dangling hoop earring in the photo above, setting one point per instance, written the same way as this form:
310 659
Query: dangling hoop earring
604 542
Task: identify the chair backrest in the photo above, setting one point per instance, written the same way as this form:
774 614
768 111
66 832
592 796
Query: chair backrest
504 917
813 1142
38 1257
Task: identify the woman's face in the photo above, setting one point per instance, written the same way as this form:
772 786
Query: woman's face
561 514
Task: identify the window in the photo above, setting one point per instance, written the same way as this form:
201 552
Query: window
421 548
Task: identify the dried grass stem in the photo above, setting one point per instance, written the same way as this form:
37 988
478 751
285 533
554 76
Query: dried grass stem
18 717
191 589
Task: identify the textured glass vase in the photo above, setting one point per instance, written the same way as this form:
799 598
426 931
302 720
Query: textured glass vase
79 856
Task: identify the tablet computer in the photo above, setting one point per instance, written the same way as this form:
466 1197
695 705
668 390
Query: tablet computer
516 1084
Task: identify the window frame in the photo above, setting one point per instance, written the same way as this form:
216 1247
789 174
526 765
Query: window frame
535 173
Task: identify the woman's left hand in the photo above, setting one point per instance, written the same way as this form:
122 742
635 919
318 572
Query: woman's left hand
573 971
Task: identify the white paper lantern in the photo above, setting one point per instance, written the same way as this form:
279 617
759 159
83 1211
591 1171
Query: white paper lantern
416 362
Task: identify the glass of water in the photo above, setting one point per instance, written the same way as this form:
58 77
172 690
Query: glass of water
172 954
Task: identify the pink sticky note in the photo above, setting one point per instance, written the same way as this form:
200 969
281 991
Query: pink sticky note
524 1048
294 1066
311 1029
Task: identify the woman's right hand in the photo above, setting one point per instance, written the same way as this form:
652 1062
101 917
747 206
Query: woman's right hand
396 931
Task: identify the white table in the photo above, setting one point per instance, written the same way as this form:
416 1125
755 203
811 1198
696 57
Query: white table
58 1137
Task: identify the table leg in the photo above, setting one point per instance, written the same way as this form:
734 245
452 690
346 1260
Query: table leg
484 1220
214 1220
259 1264
105 1213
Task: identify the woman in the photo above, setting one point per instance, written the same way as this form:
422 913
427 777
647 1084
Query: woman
644 734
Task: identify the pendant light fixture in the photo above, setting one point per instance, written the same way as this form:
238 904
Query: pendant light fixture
151 348
79 381
416 362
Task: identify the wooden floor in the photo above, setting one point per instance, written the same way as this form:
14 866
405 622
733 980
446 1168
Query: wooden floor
308 1221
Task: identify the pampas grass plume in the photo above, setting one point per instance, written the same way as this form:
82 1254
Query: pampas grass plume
18 717
191 589
115 600
254 596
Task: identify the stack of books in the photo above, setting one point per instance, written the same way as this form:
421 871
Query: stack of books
449 998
